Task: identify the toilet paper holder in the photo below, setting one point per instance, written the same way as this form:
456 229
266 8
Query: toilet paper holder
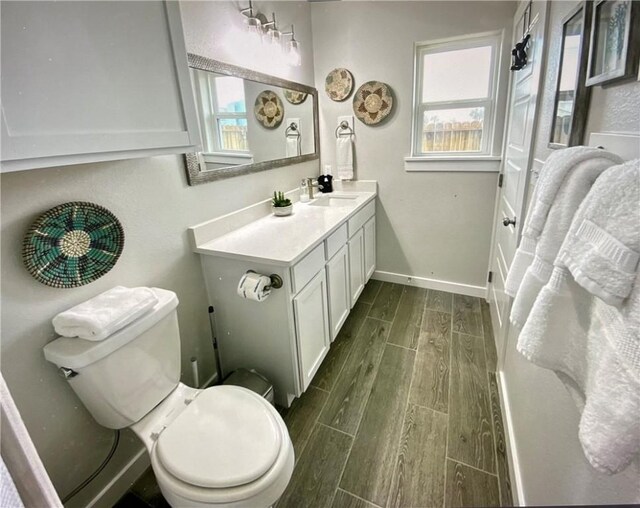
276 280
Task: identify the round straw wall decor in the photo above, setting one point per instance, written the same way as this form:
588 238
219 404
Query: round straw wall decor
72 244
294 96
373 102
268 109
338 84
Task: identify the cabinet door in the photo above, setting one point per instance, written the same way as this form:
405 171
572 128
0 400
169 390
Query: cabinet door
356 265
312 326
339 297
93 81
369 248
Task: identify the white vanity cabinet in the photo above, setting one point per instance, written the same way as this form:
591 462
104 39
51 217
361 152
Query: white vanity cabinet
369 231
93 81
312 327
362 249
287 336
356 265
339 295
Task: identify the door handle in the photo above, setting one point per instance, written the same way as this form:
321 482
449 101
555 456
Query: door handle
509 222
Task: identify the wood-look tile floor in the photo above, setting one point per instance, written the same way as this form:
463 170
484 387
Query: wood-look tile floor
404 411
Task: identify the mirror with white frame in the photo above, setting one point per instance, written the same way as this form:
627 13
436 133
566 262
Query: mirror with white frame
249 121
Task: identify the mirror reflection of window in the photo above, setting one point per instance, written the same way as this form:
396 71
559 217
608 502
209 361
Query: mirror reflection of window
566 93
229 114
223 112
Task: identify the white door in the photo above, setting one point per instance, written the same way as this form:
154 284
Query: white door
369 248
524 86
312 326
339 296
356 265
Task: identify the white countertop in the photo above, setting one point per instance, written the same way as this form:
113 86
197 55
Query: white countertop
286 240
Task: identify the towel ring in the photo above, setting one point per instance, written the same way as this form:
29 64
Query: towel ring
344 126
292 130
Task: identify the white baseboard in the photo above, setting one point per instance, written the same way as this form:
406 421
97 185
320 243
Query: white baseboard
423 282
515 474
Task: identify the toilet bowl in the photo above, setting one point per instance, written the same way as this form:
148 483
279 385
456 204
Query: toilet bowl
224 446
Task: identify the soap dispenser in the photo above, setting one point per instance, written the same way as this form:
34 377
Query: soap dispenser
325 181
304 191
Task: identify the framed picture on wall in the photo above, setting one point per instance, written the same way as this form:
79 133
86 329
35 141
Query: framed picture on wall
572 96
615 41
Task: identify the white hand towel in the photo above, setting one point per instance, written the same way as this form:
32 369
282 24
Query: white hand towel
292 146
344 157
556 168
101 316
594 347
572 192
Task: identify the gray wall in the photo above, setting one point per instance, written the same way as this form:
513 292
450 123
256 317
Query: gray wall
429 224
614 108
155 205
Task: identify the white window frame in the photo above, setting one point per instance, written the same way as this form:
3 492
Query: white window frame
493 39
205 91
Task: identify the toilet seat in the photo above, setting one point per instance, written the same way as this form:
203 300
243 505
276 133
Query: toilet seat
262 491
224 438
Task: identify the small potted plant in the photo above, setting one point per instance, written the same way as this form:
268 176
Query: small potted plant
281 206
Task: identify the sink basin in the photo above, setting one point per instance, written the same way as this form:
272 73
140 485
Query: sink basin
334 201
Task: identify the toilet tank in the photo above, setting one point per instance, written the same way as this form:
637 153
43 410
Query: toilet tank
123 377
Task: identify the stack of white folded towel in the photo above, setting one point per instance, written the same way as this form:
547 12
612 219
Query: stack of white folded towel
584 320
101 316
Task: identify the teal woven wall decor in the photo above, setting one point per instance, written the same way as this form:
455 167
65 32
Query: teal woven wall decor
72 244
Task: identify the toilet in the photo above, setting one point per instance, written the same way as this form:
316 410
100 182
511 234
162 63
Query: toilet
224 446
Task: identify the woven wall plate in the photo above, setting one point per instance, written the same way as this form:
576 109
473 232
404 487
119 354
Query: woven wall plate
338 84
373 102
72 244
269 109
294 97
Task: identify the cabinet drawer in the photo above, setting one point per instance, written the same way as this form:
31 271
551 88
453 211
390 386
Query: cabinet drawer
337 239
358 220
305 270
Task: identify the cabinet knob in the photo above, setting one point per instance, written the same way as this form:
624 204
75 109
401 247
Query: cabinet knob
509 222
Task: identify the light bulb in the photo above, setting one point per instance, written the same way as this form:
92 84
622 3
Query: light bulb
295 60
275 39
254 27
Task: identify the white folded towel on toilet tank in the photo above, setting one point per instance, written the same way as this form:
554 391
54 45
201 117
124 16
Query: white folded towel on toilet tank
105 314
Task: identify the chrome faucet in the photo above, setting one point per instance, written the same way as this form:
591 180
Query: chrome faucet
311 185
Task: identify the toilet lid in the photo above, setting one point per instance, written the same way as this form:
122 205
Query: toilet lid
226 437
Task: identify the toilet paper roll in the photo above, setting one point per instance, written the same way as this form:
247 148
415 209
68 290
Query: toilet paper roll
254 286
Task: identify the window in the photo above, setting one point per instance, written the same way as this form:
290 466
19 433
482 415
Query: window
455 97
224 126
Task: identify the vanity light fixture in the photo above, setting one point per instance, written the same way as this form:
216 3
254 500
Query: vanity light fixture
274 36
254 25
293 49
